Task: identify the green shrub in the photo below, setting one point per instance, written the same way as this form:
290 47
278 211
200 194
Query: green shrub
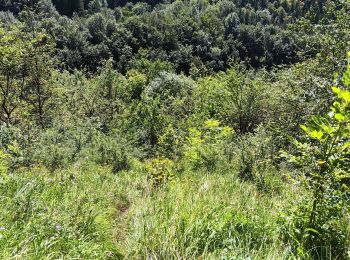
170 143
160 171
255 153
60 145
206 146
239 98
109 150
318 224
3 164
13 142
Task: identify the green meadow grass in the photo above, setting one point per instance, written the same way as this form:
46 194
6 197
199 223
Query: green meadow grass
86 212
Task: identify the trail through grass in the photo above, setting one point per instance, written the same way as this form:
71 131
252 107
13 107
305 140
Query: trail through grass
88 212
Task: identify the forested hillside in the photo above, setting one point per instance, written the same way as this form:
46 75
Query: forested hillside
193 129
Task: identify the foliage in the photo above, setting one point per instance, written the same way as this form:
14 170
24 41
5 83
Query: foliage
3 164
255 32
255 158
205 147
160 171
109 150
25 67
165 101
150 130
318 225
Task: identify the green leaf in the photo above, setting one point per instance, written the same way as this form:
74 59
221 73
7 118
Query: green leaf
305 128
342 94
339 117
312 231
345 146
316 134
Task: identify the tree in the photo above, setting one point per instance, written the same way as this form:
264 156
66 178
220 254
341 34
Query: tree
25 67
96 6
39 65
13 46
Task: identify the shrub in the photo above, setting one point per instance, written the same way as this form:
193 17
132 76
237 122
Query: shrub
3 164
254 154
170 142
239 98
318 226
109 150
166 101
160 171
205 147
60 145
12 142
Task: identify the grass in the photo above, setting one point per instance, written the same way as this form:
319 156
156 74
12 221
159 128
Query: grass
67 214
208 216
87 212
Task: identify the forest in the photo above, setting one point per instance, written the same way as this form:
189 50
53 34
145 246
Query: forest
175 129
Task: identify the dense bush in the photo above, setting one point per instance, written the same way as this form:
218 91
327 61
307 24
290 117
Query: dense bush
160 171
255 157
3 164
206 147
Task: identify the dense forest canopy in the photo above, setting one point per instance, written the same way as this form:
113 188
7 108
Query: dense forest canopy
193 35
193 129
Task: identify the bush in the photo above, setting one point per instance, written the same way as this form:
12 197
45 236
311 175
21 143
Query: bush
255 152
12 141
160 171
318 225
206 147
3 164
109 150
239 98
170 143
61 145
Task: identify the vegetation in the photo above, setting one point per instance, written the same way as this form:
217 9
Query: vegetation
174 129
327 171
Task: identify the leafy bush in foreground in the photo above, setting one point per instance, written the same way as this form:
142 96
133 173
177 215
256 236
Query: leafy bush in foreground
319 225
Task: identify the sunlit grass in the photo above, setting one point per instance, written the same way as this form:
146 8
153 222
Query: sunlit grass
87 212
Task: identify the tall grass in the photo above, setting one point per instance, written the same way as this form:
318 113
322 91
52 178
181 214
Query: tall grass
208 216
68 214
87 212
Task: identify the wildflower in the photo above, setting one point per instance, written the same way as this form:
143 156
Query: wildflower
110 254
58 227
205 186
